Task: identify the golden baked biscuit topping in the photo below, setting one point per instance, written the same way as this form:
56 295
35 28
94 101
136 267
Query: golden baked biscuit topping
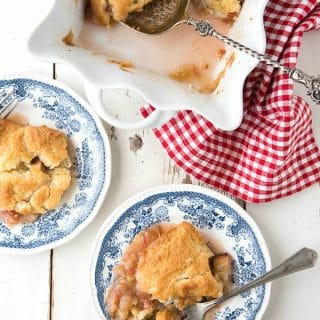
34 168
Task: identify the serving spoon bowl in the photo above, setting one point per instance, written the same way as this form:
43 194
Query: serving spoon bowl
159 16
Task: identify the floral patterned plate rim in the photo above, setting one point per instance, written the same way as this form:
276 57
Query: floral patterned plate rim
48 102
218 218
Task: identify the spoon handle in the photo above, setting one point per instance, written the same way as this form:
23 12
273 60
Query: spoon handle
303 259
205 28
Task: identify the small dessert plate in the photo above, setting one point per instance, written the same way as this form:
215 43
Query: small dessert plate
47 102
223 222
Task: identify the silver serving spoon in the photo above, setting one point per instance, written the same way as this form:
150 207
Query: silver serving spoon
303 259
160 16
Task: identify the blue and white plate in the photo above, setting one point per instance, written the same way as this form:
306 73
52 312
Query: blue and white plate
47 102
218 217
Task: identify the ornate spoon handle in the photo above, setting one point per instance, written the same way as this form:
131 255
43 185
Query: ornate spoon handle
312 83
301 260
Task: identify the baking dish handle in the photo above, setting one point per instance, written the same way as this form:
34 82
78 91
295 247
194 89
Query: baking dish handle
156 119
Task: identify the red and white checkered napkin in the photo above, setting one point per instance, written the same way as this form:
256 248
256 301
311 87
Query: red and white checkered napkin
273 154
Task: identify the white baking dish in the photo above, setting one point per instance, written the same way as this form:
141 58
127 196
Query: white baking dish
224 107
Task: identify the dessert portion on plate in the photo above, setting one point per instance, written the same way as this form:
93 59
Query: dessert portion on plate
165 269
107 11
34 171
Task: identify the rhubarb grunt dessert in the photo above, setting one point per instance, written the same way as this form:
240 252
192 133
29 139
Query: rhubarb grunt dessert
164 270
34 171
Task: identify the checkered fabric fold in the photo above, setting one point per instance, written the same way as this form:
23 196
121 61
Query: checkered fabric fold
273 153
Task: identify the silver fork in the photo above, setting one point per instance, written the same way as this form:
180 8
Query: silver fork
8 103
303 259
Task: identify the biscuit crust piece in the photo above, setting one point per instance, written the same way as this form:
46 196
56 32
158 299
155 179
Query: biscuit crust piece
106 10
102 11
175 268
220 8
34 168
168 315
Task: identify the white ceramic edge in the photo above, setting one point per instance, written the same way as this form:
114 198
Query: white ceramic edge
108 162
155 119
147 94
262 49
172 188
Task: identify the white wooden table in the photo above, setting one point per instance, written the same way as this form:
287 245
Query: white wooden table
55 285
